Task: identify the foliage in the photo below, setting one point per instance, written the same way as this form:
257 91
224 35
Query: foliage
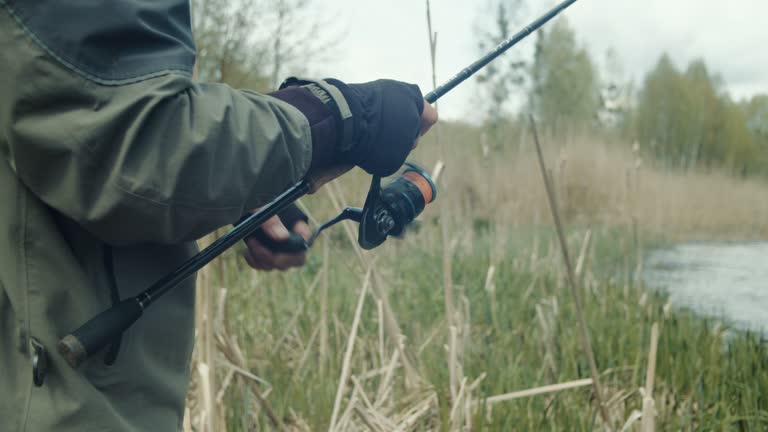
564 93
268 354
756 115
687 121
518 334
226 49
284 335
255 44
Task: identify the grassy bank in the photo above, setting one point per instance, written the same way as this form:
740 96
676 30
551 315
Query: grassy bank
366 340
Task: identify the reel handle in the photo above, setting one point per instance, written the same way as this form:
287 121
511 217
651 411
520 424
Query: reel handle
293 244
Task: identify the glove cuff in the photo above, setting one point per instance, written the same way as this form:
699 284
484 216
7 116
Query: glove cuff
338 102
323 125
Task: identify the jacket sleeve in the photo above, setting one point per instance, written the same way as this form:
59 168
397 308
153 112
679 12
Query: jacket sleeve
157 159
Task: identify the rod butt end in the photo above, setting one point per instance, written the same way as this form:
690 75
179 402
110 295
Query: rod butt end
72 350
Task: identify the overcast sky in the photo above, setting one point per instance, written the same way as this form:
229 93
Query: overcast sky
388 39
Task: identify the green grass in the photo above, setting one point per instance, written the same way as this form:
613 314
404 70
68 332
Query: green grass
708 377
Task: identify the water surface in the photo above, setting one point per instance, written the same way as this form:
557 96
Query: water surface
727 280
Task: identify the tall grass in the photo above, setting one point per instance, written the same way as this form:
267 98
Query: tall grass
272 347
600 182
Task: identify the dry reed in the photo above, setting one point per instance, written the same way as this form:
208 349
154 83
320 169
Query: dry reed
404 365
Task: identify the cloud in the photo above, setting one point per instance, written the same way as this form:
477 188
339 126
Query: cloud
729 36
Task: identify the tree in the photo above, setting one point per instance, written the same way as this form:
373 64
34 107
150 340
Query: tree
740 153
688 121
656 118
502 78
226 49
257 43
564 93
615 101
756 111
756 114
296 37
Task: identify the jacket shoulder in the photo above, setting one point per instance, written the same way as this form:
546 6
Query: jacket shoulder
114 42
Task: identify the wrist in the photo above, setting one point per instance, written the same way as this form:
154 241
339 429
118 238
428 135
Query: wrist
323 124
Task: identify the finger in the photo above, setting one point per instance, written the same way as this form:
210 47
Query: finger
260 255
265 259
275 229
286 261
428 118
302 229
251 262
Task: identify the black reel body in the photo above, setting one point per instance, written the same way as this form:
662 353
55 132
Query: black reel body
388 210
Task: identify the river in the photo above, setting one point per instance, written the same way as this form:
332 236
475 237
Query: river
727 280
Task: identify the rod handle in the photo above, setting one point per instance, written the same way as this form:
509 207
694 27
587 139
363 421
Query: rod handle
99 331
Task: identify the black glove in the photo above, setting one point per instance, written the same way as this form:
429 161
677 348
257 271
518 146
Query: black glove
376 130
387 121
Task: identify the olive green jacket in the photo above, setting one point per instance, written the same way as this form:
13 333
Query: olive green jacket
104 186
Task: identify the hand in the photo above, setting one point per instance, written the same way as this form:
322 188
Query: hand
259 257
388 119
429 118
382 121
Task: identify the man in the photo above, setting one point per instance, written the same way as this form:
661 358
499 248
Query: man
113 162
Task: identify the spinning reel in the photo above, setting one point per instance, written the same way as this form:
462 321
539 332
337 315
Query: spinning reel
388 210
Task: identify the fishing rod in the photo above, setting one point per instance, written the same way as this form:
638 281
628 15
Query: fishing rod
387 212
470 70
